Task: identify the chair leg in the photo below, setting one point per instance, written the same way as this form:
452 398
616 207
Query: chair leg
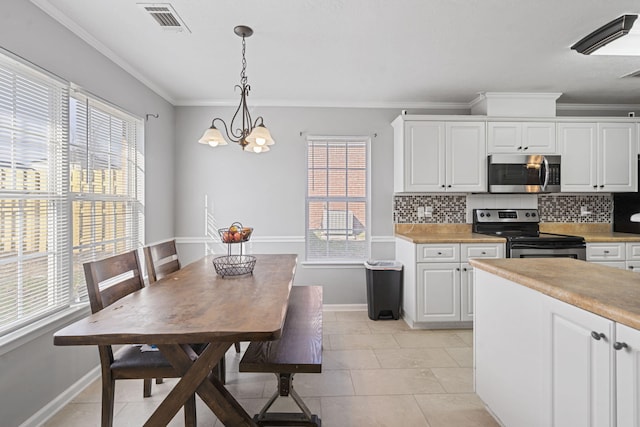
237 344
108 396
159 380
190 412
146 392
220 372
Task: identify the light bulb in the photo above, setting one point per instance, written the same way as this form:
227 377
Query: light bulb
261 141
213 143
257 149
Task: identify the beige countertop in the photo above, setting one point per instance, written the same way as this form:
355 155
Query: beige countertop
608 292
592 233
461 233
442 233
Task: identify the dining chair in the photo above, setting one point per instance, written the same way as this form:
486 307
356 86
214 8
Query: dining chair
161 260
108 280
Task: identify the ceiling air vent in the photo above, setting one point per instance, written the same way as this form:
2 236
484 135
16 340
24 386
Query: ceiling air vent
166 16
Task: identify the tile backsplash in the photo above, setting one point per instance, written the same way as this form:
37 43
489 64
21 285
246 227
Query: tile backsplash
588 208
456 209
448 209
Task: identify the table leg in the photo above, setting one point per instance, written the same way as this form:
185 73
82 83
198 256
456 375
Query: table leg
196 378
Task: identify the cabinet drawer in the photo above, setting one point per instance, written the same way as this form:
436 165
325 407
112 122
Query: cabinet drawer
633 251
438 253
486 250
633 266
606 252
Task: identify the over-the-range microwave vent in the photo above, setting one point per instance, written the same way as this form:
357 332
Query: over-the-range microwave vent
166 16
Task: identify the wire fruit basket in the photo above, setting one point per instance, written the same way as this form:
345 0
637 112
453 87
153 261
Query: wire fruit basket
234 265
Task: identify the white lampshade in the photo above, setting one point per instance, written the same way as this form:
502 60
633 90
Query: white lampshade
253 147
261 136
213 137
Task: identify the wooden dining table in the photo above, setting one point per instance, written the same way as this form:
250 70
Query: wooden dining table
195 305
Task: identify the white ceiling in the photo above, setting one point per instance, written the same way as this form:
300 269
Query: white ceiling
400 53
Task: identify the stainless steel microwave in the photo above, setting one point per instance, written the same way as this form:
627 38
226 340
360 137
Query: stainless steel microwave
522 173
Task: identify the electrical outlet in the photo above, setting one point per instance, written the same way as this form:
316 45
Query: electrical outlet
584 211
428 211
420 211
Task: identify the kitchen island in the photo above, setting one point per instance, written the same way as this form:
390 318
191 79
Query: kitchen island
556 342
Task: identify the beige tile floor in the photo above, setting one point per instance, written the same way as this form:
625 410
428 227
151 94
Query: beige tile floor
375 373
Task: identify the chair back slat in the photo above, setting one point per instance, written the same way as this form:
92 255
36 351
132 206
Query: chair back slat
161 260
112 278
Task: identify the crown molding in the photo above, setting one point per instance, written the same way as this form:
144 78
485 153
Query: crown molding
598 107
65 21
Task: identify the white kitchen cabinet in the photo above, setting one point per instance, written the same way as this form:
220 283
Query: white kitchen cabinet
466 157
419 156
466 292
438 292
439 156
438 281
615 254
627 376
598 156
521 137
580 365
566 370
606 252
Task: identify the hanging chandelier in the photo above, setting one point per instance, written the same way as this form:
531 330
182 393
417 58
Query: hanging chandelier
252 136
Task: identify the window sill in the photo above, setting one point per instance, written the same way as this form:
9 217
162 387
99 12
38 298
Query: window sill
47 325
333 264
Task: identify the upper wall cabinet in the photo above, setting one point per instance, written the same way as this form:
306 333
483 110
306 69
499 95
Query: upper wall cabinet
521 137
439 156
598 156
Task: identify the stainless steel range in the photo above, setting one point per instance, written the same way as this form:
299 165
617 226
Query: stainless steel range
524 240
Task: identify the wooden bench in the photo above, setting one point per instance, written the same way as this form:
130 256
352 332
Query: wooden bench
299 350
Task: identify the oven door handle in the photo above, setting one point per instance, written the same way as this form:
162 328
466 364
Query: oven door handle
545 165
546 246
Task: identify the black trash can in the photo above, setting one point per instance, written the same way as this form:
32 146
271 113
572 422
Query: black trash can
384 289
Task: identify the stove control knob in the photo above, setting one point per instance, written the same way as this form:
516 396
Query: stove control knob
481 214
533 214
488 214
527 214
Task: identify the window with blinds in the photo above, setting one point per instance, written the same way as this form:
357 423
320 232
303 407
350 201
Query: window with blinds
34 250
106 184
337 202
71 190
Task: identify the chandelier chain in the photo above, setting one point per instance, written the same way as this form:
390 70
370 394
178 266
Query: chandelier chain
243 75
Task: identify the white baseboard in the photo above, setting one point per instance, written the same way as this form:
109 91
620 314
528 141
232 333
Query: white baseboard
344 307
51 408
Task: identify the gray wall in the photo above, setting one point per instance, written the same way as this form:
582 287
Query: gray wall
267 191
36 372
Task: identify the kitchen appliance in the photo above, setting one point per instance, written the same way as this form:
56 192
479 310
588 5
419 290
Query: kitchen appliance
624 206
524 240
522 173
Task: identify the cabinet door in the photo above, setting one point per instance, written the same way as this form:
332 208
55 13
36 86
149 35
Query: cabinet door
628 376
438 292
504 137
424 153
539 137
466 157
580 368
578 147
466 292
617 157
614 251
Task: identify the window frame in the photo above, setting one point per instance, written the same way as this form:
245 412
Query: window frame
18 330
366 140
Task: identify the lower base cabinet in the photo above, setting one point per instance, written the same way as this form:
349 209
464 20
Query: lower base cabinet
558 365
438 281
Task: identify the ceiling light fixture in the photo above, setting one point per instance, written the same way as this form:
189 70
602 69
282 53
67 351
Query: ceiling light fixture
609 40
252 136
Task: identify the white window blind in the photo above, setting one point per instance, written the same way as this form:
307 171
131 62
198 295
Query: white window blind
337 199
106 183
34 260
